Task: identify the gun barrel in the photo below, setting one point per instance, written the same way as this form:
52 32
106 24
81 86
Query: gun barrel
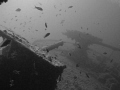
53 46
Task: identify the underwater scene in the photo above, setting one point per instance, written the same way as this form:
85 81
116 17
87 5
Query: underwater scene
60 45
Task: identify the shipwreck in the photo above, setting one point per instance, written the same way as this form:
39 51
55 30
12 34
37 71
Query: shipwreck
22 67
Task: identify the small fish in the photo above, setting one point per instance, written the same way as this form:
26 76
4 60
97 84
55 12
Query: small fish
87 28
60 9
87 75
18 10
46 25
36 30
39 8
54 6
70 6
77 65
111 60
62 21
105 53
81 28
79 46
69 54
46 35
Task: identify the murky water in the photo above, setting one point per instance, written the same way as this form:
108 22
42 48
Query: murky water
89 28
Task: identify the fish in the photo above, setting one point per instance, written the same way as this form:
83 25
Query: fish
70 6
105 53
62 21
18 10
46 35
69 54
39 8
79 46
87 75
46 25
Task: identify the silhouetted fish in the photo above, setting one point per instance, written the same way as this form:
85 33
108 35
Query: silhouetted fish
46 25
46 35
87 75
18 10
62 21
105 53
70 6
79 46
39 8
69 54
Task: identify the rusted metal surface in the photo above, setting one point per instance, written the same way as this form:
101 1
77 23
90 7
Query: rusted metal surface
23 68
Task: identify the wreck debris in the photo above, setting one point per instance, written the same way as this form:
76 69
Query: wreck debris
53 46
27 67
5 43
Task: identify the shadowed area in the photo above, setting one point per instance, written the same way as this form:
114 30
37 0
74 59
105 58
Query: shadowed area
23 69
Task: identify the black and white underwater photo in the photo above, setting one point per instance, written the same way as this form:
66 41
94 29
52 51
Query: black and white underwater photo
60 45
